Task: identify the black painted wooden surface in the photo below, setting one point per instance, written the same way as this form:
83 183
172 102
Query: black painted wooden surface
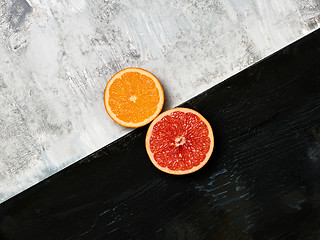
261 183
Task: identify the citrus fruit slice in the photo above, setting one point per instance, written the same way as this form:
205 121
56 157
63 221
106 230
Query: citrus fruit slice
133 97
179 141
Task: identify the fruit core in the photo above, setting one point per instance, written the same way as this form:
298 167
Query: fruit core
133 98
180 141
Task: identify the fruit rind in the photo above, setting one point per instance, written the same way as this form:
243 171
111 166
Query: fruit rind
179 172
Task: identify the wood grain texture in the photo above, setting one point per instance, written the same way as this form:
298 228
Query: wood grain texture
261 182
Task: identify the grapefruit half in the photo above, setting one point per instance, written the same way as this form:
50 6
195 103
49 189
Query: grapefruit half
179 141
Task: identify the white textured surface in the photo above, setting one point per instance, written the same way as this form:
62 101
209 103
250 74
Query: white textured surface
56 57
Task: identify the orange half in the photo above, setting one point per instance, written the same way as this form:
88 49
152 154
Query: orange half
133 97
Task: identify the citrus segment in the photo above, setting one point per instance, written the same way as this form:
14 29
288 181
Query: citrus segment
179 141
133 97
